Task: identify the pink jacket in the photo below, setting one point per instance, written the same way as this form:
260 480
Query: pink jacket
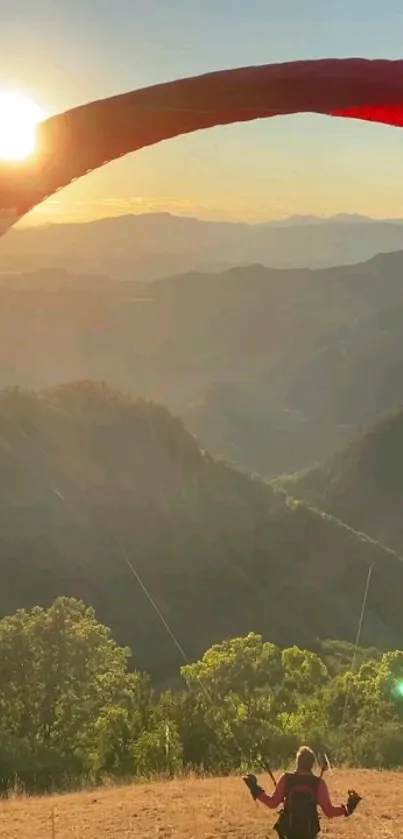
330 810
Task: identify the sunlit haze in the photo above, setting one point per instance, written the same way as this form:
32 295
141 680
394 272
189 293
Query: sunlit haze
19 117
70 53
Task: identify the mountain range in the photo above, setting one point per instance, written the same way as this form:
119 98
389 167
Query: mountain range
156 245
221 447
271 369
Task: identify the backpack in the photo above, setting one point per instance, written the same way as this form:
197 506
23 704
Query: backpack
299 818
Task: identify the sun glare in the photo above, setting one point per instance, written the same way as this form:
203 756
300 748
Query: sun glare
19 117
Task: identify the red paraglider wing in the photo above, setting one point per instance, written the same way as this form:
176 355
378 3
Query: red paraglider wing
74 143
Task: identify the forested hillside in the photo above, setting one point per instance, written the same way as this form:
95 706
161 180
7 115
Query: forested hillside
93 480
363 483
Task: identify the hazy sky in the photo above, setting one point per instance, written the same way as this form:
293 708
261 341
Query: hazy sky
66 52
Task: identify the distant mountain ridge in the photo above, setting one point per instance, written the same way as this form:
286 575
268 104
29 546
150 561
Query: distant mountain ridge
156 245
338 218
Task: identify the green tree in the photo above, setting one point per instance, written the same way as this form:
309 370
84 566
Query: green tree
60 674
240 665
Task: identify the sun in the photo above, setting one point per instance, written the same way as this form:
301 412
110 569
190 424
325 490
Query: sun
19 117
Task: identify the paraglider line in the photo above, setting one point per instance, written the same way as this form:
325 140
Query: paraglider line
156 608
354 657
179 647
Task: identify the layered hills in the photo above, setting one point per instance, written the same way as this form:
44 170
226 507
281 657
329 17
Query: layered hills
271 369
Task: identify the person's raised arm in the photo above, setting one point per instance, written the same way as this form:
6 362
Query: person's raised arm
259 794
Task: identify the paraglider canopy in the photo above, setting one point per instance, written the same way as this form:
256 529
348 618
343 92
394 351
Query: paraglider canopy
82 139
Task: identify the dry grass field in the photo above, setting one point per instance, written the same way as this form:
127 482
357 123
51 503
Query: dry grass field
196 809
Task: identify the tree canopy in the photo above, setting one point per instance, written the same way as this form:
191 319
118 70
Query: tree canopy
74 711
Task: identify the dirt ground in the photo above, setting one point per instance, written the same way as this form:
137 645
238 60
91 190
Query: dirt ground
197 809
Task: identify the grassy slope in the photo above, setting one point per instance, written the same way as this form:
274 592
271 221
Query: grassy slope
196 809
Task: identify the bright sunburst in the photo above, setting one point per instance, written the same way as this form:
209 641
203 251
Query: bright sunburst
18 120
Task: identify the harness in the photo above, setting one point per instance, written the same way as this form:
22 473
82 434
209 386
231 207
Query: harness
299 818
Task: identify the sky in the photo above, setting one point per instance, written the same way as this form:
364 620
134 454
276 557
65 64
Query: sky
62 53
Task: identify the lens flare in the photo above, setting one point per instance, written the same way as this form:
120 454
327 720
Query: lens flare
397 689
19 117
